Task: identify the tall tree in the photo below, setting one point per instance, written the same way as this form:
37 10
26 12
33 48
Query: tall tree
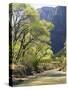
28 31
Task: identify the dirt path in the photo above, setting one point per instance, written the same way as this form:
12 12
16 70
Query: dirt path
44 78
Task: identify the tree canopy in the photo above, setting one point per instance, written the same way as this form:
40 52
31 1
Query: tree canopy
30 36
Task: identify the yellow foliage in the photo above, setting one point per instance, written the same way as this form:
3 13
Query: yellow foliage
33 49
47 57
49 51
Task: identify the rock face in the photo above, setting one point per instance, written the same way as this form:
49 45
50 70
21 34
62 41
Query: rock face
57 15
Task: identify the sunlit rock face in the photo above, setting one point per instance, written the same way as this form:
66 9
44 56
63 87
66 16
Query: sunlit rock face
57 15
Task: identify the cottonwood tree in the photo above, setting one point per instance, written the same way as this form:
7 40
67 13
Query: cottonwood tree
28 33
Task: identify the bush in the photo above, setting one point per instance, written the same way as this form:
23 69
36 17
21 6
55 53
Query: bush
19 71
35 64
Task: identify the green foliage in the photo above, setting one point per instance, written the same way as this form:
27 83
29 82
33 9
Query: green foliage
30 37
35 63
